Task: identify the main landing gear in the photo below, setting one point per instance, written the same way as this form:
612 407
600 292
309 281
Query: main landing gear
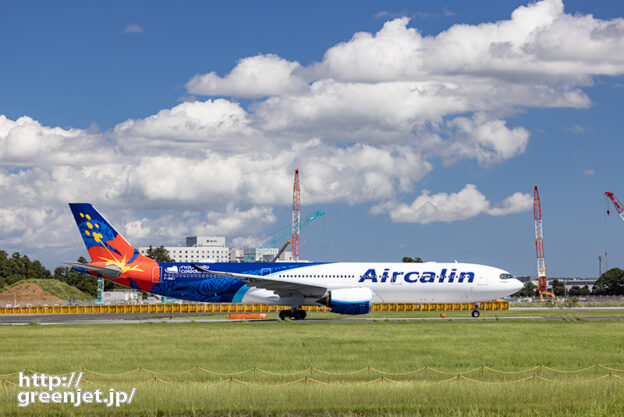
294 314
475 313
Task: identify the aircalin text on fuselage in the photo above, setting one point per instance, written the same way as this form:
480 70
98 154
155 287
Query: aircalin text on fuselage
414 276
345 287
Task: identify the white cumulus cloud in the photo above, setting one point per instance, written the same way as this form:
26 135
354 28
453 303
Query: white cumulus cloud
397 86
25 141
365 125
444 207
515 203
487 141
258 76
215 123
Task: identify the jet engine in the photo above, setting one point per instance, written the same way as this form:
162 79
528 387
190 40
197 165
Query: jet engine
348 300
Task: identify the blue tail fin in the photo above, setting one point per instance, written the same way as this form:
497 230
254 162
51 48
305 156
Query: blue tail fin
100 237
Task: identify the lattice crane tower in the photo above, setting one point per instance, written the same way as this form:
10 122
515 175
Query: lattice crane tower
296 217
618 207
539 242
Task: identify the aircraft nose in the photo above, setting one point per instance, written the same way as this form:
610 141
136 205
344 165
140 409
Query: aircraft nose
517 284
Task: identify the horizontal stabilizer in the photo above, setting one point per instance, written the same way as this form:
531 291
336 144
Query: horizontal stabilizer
107 271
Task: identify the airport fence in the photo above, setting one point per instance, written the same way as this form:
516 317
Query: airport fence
581 299
569 301
365 375
211 308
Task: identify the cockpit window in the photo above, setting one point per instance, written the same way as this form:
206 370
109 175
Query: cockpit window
505 276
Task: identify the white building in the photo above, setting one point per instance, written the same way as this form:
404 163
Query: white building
213 249
198 249
237 255
216 241
121 297
265 255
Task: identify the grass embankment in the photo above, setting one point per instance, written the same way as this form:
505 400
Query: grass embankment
288 350
55 287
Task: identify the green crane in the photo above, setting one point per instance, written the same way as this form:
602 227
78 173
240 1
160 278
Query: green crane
278 240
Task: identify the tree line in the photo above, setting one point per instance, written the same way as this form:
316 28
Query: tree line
609 283
17 267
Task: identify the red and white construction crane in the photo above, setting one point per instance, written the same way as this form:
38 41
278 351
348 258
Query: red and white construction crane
296 217
539 243
618 207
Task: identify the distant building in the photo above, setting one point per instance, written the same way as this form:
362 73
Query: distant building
195 241
265 255
579 282
237 255
568 282
213 249
198 249
121 297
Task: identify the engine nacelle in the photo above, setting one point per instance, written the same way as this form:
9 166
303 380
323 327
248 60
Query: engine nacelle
348 300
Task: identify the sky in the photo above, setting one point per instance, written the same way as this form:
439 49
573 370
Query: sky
420 128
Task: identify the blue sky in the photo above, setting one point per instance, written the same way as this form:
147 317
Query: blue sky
422 136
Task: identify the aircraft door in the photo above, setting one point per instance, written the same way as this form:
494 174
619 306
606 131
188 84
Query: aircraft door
482 280
155 274
265 271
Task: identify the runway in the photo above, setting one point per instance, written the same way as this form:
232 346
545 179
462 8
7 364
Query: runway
94 318
44 319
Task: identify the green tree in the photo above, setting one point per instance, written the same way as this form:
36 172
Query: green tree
610 283
4 268
159 254
575 290
17 268
558 288
414 259
529 290
585 290
83 282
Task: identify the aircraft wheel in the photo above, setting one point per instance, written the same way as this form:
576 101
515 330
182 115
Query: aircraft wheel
475 313
284 314
299 314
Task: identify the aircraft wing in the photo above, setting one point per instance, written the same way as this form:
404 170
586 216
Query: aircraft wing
107 271
281 286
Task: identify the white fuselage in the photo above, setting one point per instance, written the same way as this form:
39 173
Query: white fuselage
427 282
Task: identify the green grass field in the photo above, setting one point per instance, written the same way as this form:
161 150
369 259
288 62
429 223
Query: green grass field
340 354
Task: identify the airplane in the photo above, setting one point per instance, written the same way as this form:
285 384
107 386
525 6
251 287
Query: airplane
344 287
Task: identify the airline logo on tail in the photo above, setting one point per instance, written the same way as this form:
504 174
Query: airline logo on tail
108 248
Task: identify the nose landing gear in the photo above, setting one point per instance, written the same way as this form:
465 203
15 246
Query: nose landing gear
295 314
475 313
